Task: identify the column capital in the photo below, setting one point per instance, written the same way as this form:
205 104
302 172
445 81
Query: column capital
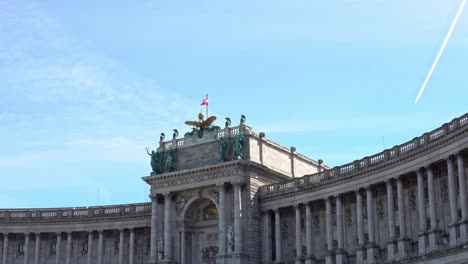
338 196
59 233
168 195
389 181
37 233
357 191
458 154
122 229
429 167
238 183
297 205
275 209
221 185
449 158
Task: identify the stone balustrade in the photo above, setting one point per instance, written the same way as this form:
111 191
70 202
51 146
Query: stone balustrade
75 213
388 155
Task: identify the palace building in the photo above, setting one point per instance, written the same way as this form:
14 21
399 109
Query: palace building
229 195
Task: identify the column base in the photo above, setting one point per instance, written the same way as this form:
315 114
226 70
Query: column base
167 261
372 252
434 239
240 258
403 247
391 250
309 260
463 225
329 259
453 228
360 254
422 244
298 260
220 259
341 256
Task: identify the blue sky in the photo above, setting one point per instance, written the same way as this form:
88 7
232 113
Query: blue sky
85 86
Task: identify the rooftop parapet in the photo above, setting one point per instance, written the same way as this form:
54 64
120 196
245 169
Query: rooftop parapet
74 213
373 161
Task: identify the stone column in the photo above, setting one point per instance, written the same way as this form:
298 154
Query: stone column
26 247
309 239
90 247
329 231
57 248
464 209
422 214
37 248
360 228
403 241
433 232
298 259
453 202
69 248
100 246
391 222
131 254
168 227
372 251
154 227
5 248
121 246
341 253
266 243
278 258
238 243
222 221
182 247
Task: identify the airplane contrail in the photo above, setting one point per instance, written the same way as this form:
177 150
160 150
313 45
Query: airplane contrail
454 23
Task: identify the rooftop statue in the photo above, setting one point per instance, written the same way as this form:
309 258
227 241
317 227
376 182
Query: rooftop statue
202 124
228 122
242 120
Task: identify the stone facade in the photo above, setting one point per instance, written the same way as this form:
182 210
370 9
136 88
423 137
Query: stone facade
232 196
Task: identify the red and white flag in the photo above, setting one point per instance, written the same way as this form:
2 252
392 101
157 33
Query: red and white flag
205 101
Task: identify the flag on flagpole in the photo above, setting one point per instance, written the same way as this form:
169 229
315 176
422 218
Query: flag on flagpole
205 101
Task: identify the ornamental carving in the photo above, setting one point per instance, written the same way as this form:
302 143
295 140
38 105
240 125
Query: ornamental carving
209 254
180 203
212 237
316 223
444 190
197 178
348 216
284 231
380 209
412 199
214 194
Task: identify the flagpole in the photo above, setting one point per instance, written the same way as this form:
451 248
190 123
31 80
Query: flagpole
207 106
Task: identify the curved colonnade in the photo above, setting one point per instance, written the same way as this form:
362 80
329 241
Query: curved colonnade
408 203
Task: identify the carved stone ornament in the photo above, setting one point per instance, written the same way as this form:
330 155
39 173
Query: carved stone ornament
316 223
230 239
348 216
444 190
180 204
284 231
209 254
380 209
412 199
197 178
214 194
